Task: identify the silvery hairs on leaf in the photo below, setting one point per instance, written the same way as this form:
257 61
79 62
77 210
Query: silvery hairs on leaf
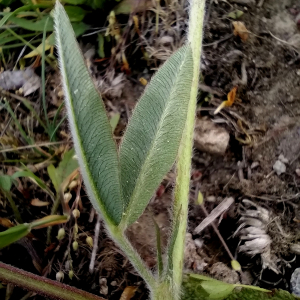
151 141
89 124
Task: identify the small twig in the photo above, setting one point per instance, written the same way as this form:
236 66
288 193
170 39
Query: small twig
219 41
208 89
244 79
218 233
289 110
274 199
48 144
95 244
260 3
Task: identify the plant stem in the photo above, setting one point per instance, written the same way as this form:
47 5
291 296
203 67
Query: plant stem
180 208
119 237
162 291
42 285
252 287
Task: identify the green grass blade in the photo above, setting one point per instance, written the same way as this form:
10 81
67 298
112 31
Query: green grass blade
20 9
90 127
43 77
33 25
152 139
13 234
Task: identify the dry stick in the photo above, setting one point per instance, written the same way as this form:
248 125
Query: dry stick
35 146
95 244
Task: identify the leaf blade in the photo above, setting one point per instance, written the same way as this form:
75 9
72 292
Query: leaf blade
67 165
13 234
151 141
92 135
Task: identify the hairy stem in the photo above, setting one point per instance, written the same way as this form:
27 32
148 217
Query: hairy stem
119 237
42 285
180 209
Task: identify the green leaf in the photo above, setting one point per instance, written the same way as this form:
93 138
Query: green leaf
49 221
5 182
13 234
6 3
4 39
90 127
33 25
80 28
75 13
95 4
114 120
64 169
33 177
152 139
101 52
75 2
217 290
236 14
7 16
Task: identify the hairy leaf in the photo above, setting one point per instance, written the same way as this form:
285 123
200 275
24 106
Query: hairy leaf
90 127
151 142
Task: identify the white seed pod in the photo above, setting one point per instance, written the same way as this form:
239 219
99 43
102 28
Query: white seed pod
76 213
67 197
89 241
75 245
61 234
73 184
71 274
60 276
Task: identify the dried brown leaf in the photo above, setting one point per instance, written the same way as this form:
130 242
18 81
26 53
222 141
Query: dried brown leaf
128 293
38 202
240 30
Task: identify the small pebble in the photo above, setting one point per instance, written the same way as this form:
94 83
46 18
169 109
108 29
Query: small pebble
254 165
199 243
211 199
283 159
279 167
297 172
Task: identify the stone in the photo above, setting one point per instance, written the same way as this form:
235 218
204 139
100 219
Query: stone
209 137
279 167
283 159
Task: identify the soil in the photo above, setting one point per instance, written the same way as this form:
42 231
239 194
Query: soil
264 127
